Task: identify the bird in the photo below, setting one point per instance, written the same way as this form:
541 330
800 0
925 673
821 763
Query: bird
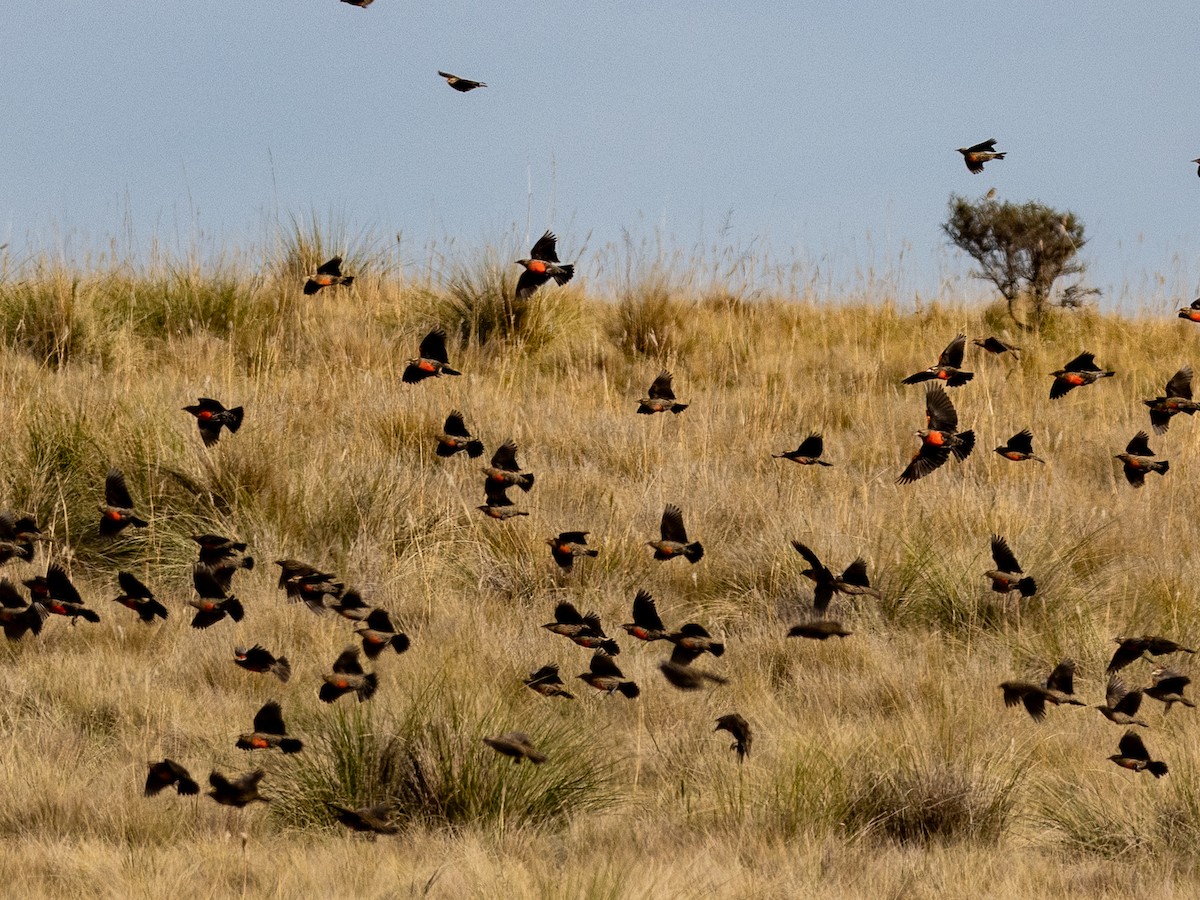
604 675
1197 162
1058 688
1019 447
261 660
136 596
660 397
541 266
313 589
371 819
690 641
977 154
378 633
116 513
167 772
1167 687
547 682
1008 574
18 616
940 439
1177 399
328 274
852 581
1120 704
462 85
948 368
350 605
19 537
1130 649
1132 754
240 791
361 4
216 549
517 746
269 731
348 677
213 603
496 503
58 595
1138 459
568 545
674 540
687 677
739 729
646 624
808 453
505 470
455 438
583 630
996 346
432 360
1192 312
211 415
1079 371
819 629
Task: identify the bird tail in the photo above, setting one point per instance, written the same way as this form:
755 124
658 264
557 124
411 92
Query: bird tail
1160 467
347 280
233 608
291 745
610 647
716 649
370 683
592 553
475 449
1027 587
966 443
694 552
567 273
89 615
400 643
154 608
446 370
282 669
247 563
328 693
629 689
138 523
677 408
235 418
526 484
1157 768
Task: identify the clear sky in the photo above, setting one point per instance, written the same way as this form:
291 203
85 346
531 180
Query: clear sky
820 132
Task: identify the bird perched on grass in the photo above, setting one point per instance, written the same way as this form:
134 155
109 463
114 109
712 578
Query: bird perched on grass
1177 399
116 513
370 819
1130 649
462 85
1058 688
948 368
604 675
238 792
853 581
1120 704
167 772
808 453
432 361
547 682
455 438
819 630
1019 447
259 659
674 540
1132 754
378 633
517 746
1138 460
269 731
136 596
1080 371
660 397
646 624
1008 574
996 346
541 266
1167 687
568 545
213 602
329 274
348 677
939 439
739 729
211 416
977 154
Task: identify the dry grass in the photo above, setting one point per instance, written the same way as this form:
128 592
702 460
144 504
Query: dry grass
883 765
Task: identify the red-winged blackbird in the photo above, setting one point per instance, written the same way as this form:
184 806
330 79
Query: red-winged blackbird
18 537
517 746
1019 447
1121 705
690 641
1008 574
506 471
1059 689
462 85
853 581
378 633
455 438
674 540
820 630
687 677
1178 399
1167 687
350 605
213 603
977 154
568 545
808 453
18 616
1130 649
211 415
660 397
547 682
238 791
1079 371
1132 754
269 731
348 677
55 592
431 360
542 266
646 625
116 513
582 630
948 368
939 439
1138 460
259 659
739 729
328 274
372 819
604 675
139 598
166 773
996 346
1192 312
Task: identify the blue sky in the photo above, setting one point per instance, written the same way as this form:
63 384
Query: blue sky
821 132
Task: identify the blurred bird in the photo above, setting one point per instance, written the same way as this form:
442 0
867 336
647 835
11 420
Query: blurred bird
455 438
1007 576
996 346
568 545
853 581
18 616
1132 754
674 540
361 4
167 772
1191 313
259 659
660 397
328 273
348 677
1019 447
211 415
939 439
1120 704
739 729
517 746
646 624
505 470
547 682
18 537
58 595
371 819
1197 161
1138 460
378 633
1080 371
604 675
1130 649
496 503
687 677
223 557
139 598
819 630
582 630
1058 688
293 568
808 453
432 360
1167 687
269 731
116 513
690 641
462 85
948 368
542 266
1177 399
213 603
239 791
350 605
977 154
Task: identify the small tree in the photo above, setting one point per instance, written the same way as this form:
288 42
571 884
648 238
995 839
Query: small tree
1021 248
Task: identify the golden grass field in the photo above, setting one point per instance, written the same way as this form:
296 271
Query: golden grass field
884 765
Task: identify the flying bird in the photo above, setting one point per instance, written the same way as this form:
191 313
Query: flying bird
378 633
1138 459
505 470
604 675
348 677
1177 399
18 616
432 360
211 415
690 641
517 746
977 154
19 537
547 682
1132 754
361 4
939 439
213 603
328 274
1167 687
948 368
819 630
1058 689
646 624
455 438
996 346
1191 313
1131 649
541 266
371 819
496 503
462 85
568 545
237 792
1008 574
116 513
584 630
136 596
686 677
58 595
739 730
259 659
660 397
853 581
167 772
1080 371
1019 447
674 540
808 453
1120 704
269 731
